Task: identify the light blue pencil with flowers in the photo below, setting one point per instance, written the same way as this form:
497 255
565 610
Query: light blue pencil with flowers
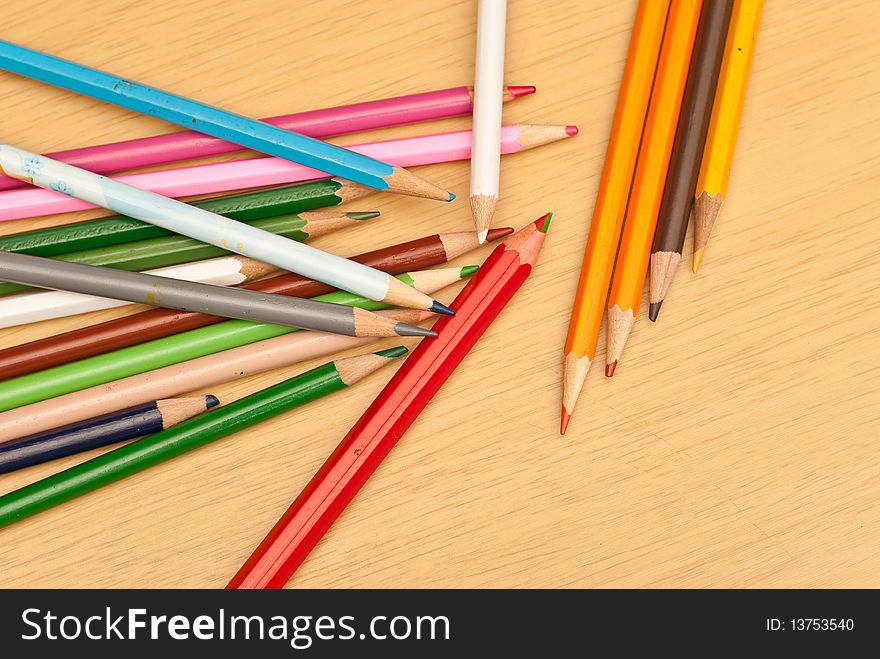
228 126
213 229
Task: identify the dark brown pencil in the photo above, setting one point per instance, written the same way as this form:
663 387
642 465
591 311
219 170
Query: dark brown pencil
687 152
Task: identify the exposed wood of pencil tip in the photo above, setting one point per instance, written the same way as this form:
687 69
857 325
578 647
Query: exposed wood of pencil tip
620 324
532 135
510 92
401 295
403 181
354 369
351 191
408 316
434 280
574 374
663 267
706 209
368 323
528 240
483 209
252 269
457 243
175 410
318 223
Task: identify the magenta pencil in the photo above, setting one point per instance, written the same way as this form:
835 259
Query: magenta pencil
326 122
241 174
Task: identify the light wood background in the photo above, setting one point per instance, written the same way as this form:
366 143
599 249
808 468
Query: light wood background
736 446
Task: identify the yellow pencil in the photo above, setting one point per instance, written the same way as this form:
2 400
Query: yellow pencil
724 124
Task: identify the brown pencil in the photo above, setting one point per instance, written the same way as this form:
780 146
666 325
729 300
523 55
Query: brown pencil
690 138
156 323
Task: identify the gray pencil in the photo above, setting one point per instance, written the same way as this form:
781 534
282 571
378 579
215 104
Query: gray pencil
201 298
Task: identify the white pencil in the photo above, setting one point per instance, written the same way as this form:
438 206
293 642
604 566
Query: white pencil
213 229
488 91
45 305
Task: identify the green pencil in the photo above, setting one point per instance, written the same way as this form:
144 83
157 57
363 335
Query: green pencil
189 435
174 250
120 229
110 366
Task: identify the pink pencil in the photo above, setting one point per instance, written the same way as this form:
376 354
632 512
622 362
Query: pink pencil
326 122
241 174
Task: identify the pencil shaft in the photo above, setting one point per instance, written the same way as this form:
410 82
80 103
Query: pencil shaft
110 428
392 412
157 323
143 288
237 175
171 443
195 223
192 114
486 159
174 250
45 305
693 122
353 118
142 357
178 378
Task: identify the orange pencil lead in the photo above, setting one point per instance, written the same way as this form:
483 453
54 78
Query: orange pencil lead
564 419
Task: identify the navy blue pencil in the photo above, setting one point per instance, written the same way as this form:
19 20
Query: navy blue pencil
100 431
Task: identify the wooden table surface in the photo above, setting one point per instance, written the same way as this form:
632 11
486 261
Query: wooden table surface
737 446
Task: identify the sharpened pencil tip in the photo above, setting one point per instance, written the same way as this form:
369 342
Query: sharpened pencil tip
482 235
654 310
521 90
391 353
211 401
698 258
571 130
442 309
499 232
451 197
563 422
362 215
468 271
403 329
610 368
546 222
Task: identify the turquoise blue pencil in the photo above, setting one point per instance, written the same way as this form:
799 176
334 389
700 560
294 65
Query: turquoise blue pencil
213 229
228 126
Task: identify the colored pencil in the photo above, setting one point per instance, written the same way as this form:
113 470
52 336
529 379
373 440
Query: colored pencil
644 204
488 77
193 374
398 405
100 431
174 250
588 308
727 108
156 323
241 174
31 401
690 138
170 293
118 229
42 305
213 229
353 118
249 133
191 434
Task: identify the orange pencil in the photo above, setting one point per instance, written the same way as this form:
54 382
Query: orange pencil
617 176
650 178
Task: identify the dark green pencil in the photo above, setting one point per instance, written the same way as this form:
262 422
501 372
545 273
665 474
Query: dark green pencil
120 229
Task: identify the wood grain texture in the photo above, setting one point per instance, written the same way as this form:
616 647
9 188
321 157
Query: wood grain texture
749 456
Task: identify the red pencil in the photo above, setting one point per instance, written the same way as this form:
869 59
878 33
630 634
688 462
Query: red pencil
336 483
